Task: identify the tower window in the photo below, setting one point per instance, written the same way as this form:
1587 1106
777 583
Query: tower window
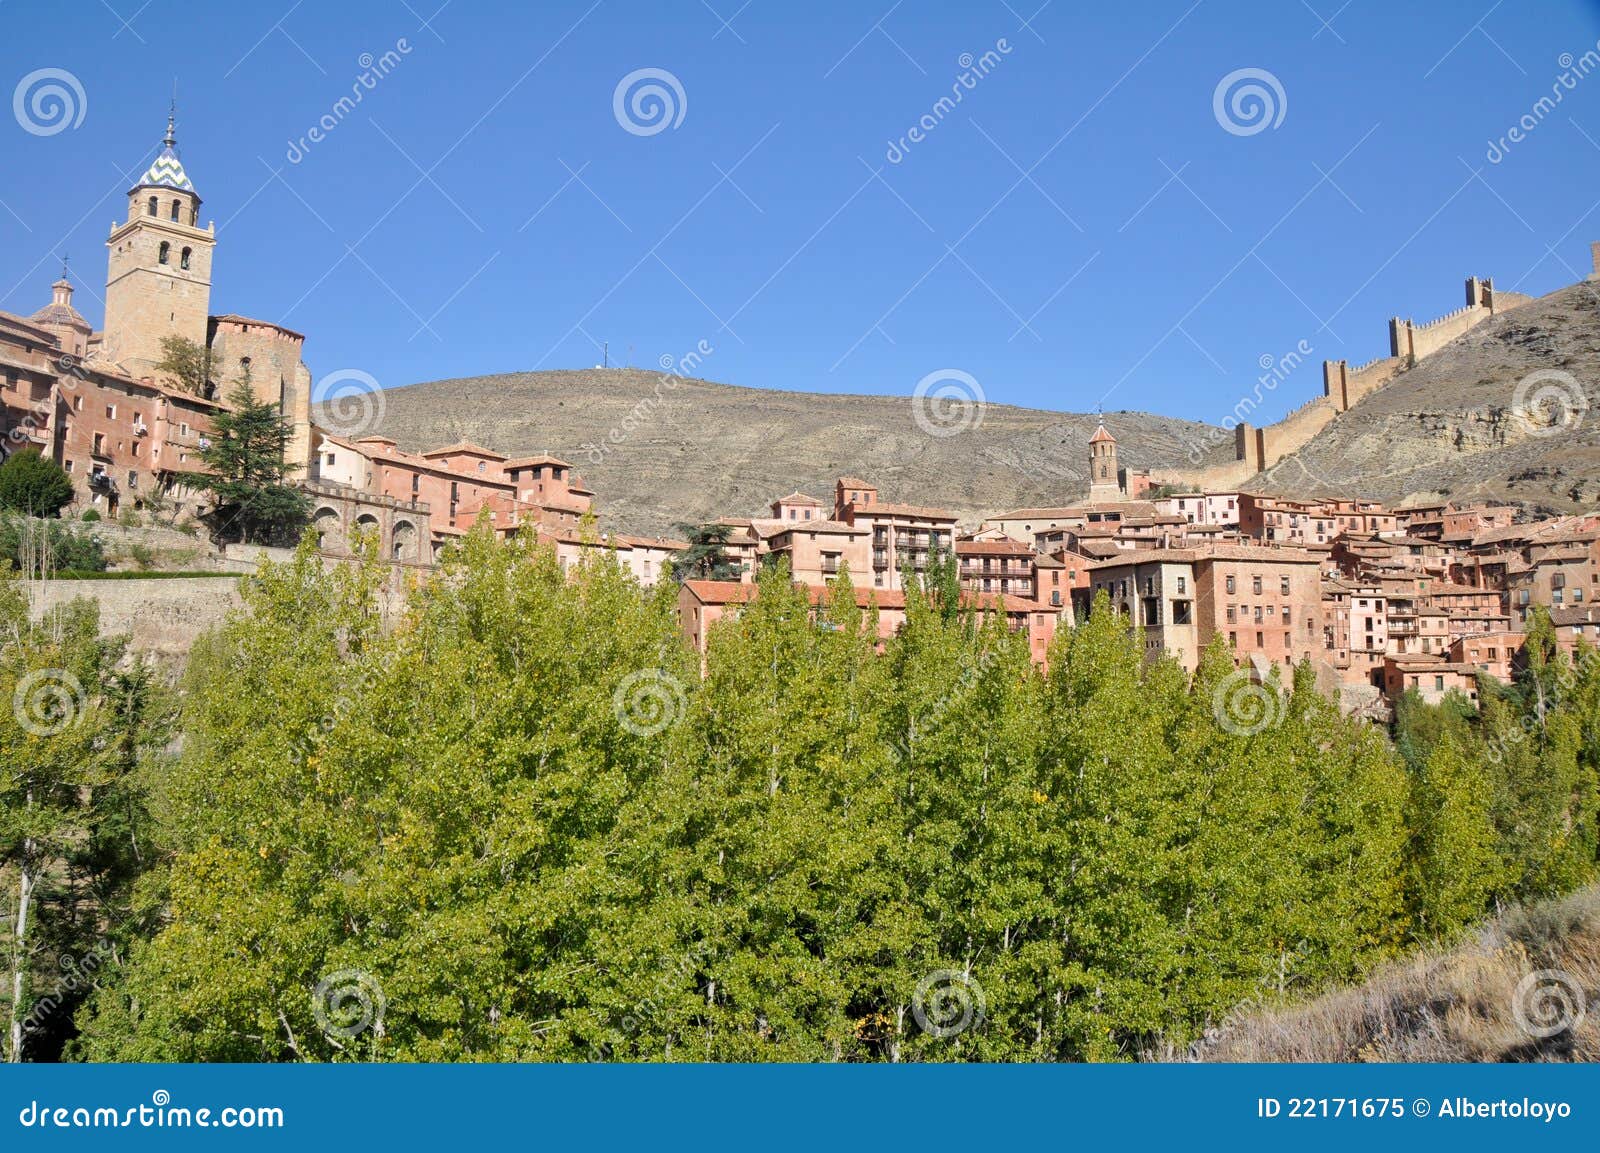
161 254
194 216
183 260
175 206
150 208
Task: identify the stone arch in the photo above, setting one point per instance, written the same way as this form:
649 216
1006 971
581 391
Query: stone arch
329 527
368 525
404 542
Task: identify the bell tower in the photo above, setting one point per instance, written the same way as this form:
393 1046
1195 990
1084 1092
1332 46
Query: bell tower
158 277
1105 483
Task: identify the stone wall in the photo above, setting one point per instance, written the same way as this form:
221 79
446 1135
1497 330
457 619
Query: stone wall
162 616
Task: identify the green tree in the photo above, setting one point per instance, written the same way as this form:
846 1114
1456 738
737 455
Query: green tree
69 813
33 484
706 557
246 470
188 363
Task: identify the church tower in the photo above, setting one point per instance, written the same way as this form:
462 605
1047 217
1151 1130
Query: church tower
158 278
1105 482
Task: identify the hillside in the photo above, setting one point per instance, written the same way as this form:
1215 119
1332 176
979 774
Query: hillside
1526 987
711 449
1448 428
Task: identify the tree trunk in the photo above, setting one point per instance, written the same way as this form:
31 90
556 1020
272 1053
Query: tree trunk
19 952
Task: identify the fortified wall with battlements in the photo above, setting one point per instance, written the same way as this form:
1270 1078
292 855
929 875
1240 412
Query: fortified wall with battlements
1258 449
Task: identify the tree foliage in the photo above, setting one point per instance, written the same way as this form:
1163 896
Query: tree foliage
188 363
517 823
246 470
706 557
34 485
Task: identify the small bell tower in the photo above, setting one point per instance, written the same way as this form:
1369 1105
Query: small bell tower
1105 478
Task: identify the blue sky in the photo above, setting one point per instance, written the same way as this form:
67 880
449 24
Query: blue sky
1081 228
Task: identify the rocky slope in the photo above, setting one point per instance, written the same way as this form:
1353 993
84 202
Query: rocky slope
685 450
1468 422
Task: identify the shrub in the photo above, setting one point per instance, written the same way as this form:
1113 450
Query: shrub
33 484
89 516
24 539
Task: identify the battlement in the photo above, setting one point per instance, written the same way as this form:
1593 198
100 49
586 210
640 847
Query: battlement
1258 449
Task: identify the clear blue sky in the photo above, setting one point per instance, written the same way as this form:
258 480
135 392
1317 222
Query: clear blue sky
1080 227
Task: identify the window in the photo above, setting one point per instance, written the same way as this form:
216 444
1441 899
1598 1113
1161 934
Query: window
1260 643
1183 584
150 208
183 430
183 258
161 254
330 460
133 479
1438 683
99 445
1233 640
1283 585
175 206
1255 585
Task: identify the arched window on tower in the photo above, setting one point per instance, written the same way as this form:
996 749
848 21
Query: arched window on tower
194 216
176 204
183 259
150 207
161 253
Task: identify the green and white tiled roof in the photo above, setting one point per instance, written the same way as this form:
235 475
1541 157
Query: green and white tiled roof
167 172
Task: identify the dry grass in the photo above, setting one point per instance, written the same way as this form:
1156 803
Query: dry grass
1460 1004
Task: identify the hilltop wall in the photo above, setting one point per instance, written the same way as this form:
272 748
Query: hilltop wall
1258 449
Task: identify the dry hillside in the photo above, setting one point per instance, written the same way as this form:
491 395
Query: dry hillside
1447 428
1526 987
710 449
1450 426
